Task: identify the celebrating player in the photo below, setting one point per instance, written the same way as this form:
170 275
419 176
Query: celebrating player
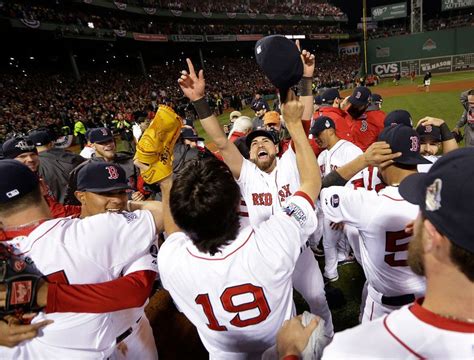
383 245
235 286
441 324
106 245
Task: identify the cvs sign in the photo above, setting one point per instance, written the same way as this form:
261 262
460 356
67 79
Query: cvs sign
386 70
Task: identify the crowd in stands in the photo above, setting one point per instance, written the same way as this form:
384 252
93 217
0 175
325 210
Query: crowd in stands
41 99
437 23
78 21
303 7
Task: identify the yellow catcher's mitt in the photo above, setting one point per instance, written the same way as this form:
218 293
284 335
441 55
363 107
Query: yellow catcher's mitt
155 148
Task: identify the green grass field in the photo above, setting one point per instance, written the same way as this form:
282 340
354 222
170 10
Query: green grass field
444 105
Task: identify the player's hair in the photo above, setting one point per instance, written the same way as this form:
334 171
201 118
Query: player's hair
204 203
471 92
463 259
24 202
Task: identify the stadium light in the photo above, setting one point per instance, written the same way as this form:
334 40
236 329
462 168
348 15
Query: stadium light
90 25
32 57
12 59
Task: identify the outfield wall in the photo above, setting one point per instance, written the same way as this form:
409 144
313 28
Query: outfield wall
435 51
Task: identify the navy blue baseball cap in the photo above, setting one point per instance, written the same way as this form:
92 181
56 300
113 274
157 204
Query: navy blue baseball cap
376 98
329 95
101 176
99 135
398 117
272 135
40 137
17 146
279 59
360 96
318 100
429 132
321 123
445 195
404 139
16 181
188 133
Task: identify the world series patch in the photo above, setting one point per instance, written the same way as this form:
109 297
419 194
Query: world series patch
296 212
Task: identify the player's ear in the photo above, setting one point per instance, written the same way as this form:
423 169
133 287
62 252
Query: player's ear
80 196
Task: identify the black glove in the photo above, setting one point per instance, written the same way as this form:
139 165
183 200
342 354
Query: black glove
21 279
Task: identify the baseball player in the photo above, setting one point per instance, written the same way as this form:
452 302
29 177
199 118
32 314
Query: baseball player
331 107
365 127
24 151
235 286
265 184
441 325
337 153
107 245
103 142
384 242
372 180
434 136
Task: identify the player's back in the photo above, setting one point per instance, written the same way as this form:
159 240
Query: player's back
238 298
81 251
384 243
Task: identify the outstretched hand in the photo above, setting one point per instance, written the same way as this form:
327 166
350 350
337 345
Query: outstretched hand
192 85
428 120
292 109
308 60
12 332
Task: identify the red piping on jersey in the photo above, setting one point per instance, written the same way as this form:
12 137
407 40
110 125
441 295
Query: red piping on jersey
243 214
400 341
34 241
225 257
391 198
305 196
438 321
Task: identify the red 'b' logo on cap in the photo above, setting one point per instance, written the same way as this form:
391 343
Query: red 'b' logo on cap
113 172
415 145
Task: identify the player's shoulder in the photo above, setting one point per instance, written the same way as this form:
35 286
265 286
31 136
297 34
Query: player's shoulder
368 340
350 147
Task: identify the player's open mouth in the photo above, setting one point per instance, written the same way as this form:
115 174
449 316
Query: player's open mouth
113 210
262 154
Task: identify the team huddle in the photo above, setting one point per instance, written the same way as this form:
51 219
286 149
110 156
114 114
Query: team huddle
241 230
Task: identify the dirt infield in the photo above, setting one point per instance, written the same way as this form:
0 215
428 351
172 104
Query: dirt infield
416 88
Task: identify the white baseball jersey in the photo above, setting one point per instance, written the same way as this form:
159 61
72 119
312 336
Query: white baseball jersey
263 193
424 168
381 219
372 180
411 332
96 249
239 298
339 155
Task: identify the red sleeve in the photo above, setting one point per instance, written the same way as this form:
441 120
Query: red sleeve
57 209
358 183
104 297
291 357
140 186
305 196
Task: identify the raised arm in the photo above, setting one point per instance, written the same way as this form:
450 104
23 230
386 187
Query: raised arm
193 87
155 207
447 138
308 168
378 154
306 83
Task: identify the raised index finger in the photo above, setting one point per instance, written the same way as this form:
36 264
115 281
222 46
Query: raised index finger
192 72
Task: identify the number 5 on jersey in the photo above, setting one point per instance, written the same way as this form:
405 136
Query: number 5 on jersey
226 299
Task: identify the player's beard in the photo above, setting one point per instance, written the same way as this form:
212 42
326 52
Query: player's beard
415 249
264 165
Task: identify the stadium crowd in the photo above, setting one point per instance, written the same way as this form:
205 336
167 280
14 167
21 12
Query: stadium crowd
78 21
44 99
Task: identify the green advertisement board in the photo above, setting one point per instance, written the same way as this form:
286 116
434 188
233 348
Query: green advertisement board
387 12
